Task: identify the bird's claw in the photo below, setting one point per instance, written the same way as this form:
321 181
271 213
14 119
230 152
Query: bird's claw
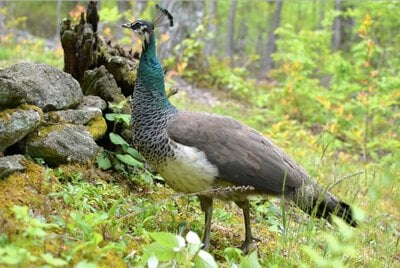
248 244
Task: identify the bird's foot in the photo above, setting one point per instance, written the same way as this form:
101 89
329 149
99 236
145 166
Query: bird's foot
249 245
206 246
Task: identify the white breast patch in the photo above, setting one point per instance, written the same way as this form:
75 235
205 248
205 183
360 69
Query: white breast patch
190 171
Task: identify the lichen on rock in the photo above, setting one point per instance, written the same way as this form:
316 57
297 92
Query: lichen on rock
10 164
39 84
15 124
60 144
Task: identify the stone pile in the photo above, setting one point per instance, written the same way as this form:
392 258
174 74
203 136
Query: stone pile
44 114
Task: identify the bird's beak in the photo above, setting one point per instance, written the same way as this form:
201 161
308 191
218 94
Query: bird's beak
126 25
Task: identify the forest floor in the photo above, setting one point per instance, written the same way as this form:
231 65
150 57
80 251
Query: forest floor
198 96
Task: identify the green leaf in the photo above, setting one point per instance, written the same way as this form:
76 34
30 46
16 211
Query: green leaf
232 254
103 161
358 213
204 260
250 261
50 259
166 239
117 106
344 228
118 140
35 231
133 152
125 118
110 117
161 252
129 160
86 264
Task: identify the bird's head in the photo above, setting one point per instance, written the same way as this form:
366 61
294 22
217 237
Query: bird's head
144 29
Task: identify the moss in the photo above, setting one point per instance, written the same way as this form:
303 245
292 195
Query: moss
7 114
43 131
35 108
97 127
129 75
53 116
23 189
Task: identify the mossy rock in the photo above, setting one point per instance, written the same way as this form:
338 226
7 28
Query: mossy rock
10 164
97 127
15 124
61 144
42 85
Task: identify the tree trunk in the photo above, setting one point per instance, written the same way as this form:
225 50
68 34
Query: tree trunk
210 47
231 32
188 15
336 28
342 26
272 38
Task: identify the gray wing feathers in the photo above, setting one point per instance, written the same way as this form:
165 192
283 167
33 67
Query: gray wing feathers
243 156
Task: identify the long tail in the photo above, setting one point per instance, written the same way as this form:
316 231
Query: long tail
315 200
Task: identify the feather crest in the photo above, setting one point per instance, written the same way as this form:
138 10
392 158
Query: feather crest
163 17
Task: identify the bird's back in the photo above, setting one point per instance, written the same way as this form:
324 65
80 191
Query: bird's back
243 156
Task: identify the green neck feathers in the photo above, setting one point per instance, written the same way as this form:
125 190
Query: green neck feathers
151 75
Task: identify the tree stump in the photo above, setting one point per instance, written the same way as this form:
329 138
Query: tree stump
85 49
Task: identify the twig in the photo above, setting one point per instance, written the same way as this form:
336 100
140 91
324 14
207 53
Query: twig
344 178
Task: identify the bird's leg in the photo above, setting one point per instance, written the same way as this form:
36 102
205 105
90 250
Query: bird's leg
245 206
206 206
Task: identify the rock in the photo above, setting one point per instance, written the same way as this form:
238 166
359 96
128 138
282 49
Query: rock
124 72
78 117
11 94
61 144
42 85
100 82
92 102
90 117
15 124
11 164
97 127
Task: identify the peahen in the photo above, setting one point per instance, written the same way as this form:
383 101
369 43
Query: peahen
202 152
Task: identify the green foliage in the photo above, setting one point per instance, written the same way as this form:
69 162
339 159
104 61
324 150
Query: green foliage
338 251
110 14
34 230
169 250
231 79
189 60
28 15
358 99
235 258
13 50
